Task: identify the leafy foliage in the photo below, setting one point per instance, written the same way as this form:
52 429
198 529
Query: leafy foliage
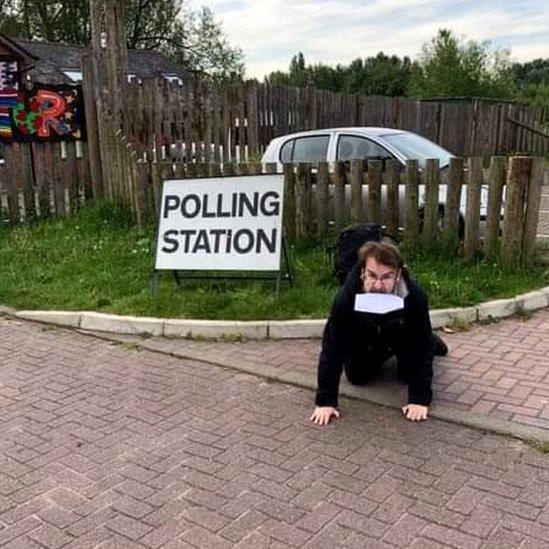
532 79
191 37
450 67
379 75
447 67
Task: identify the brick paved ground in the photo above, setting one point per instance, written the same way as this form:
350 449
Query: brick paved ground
103 445
500 370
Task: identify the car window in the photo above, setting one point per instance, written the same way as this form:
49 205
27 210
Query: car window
310 149
286 151
413 146
350 147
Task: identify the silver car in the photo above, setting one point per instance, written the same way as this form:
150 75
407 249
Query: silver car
343 144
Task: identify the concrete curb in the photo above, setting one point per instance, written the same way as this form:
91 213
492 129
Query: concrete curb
264 329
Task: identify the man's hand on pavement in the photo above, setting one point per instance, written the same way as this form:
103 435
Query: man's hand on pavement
415 412
323 414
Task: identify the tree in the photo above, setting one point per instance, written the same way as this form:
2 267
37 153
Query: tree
381 75
10 22
532 72
449 67
191 37
532 80
199 42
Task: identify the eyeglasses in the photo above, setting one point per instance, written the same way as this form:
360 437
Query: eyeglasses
384 279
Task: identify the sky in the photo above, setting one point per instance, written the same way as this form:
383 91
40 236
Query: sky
270 32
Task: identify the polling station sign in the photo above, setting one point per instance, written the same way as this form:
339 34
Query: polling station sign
221 224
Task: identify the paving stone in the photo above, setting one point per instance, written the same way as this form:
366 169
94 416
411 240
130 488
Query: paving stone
149 450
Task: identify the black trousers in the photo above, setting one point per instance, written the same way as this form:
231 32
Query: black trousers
364 366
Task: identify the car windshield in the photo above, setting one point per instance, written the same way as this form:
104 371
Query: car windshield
414 146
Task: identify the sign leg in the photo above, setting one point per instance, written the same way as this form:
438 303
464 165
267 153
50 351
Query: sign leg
154 281
287 261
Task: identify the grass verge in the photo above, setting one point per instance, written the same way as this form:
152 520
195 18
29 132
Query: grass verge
98 260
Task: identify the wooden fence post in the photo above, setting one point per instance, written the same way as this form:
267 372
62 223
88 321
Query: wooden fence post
450 232
392 182
49 174
517 187
496 178
228 169
28 182
357 180
322 182
374 190
429 234
108 80
303 201
255 168
7 173
339 195
289 201
42 184
71 177
411 216
472 215
91 92
58 184
141 196
531 216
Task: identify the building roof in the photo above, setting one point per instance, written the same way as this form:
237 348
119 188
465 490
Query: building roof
142 63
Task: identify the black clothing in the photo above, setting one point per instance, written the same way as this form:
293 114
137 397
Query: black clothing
362 367
364 340
441 349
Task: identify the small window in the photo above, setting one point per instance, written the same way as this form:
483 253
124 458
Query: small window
286 151
311 149
351 147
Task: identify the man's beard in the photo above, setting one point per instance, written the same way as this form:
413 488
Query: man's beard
379 291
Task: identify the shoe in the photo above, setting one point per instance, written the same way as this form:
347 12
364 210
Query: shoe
439 347
403 374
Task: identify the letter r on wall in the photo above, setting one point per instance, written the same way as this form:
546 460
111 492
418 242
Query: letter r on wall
51 106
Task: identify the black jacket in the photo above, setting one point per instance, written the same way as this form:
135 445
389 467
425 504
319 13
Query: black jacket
406 332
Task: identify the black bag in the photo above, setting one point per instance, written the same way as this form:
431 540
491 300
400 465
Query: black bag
349 241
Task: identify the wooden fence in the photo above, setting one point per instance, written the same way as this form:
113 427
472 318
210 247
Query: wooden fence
320 200
39 180
199 121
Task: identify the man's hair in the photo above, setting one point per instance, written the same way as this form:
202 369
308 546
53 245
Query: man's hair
384 252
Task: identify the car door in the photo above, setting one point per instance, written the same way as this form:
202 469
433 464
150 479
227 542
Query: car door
349 147
306 148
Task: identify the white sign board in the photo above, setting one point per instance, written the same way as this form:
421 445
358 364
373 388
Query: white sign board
221 224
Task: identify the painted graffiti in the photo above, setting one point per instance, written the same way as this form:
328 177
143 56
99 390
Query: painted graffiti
10 77
10 82
43 114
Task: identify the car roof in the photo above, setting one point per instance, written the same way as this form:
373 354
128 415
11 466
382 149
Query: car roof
365 130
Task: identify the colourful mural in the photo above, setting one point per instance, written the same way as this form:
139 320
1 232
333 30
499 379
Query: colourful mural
10 82
45 113
10 77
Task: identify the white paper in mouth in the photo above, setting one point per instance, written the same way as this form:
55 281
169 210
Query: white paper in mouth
378 303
